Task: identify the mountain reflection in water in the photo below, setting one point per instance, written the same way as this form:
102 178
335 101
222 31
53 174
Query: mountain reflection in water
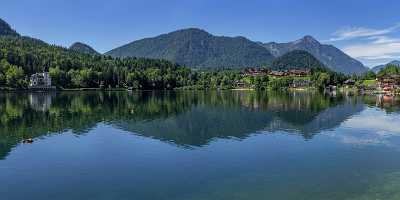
186 119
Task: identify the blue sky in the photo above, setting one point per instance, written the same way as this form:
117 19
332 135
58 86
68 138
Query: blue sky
368 30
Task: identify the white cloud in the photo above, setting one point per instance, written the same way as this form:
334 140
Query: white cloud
379 57
359 32
354 140
374 50
381 124
373 128
371 46
383 39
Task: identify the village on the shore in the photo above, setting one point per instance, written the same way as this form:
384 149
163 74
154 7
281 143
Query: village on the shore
301 78
296 78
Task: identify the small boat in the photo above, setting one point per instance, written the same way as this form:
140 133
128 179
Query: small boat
27 141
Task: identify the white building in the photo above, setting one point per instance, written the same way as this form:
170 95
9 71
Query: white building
40 80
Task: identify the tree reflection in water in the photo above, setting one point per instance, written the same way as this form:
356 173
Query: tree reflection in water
186 119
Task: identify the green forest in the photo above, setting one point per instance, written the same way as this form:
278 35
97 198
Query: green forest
21 57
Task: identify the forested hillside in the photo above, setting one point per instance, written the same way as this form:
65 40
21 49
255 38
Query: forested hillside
83 48
81 67
378 68
297 59
6 30
197 48
23 56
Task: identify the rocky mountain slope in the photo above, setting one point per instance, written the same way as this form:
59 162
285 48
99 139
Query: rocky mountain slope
329 55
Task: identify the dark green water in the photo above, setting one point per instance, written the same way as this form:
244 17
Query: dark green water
199 146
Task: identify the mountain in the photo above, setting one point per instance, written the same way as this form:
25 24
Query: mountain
329 55
6 30
380 67
83 48
199 49
297 59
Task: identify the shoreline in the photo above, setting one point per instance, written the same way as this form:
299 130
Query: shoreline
362 92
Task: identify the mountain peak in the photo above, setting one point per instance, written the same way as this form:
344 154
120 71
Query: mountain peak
309 39
197 48
6 30
395 62
191 31
83 48
328 55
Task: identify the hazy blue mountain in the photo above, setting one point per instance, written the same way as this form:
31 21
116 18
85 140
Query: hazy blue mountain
6 30
329 55
199 49
83 48
380 67
297 59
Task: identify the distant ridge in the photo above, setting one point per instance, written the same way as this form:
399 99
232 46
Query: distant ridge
329 55
6 30
380 67
199 49
83 48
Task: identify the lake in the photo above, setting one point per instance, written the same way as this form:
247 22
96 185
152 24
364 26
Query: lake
204 145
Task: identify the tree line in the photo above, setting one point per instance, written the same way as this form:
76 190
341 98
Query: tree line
21 57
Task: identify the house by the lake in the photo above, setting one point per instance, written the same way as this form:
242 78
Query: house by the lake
263 72
40 81
239 84
279 73
255 72
291 72
300 72
389 82
349 82
300 83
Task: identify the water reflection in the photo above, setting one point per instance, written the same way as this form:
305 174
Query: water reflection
388 103
40 101
242 114
185 119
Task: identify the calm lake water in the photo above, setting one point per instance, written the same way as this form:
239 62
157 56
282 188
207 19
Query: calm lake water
199 146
